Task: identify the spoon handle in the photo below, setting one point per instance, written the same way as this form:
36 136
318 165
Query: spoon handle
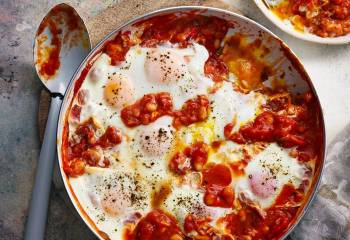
36 222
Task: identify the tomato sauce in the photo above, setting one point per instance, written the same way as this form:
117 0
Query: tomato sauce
82 77
193 157
289 124
250 223
153 106
148 109
118 47
83 152
201 228
216 181
205 30
156 225
323 18
193 110
48 57
269 127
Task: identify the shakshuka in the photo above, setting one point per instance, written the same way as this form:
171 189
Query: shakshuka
180 128
325 18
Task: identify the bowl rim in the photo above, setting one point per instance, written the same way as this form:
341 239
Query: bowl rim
261 4
95 50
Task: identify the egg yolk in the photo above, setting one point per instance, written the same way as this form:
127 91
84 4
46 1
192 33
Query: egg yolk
164 66
115 201
156 140
119 91
262 183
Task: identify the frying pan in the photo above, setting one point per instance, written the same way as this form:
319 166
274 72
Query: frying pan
297 80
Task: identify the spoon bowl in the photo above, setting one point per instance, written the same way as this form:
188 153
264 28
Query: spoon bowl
61 43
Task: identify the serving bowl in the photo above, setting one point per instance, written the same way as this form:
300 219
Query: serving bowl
297 81
290 29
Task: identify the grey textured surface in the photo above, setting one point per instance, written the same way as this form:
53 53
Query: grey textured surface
19 95
19 146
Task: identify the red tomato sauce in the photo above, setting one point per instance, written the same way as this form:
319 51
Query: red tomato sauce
192 158
202 228
216 181
323 18
48 58
288 124
51 57
83 152
156 225
155 105
148 109
193 110
250 223
205 30
118 47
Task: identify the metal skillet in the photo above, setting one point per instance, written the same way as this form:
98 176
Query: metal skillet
296 78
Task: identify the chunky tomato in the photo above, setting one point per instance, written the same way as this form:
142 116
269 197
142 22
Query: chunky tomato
248 222
216 181
193 110
208 31
289 195
148 109
75 112
218 196
197 224
75 167
200 228
216 69
110 138
269 127
193 157
217 174
156 225
118 47
84 151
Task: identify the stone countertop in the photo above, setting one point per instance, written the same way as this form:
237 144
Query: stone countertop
328 66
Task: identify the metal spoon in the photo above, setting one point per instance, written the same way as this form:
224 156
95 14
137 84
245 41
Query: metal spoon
61 44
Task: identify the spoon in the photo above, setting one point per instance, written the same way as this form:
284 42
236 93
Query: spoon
61 44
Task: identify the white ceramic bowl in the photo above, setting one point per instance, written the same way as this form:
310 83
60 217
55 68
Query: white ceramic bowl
288 28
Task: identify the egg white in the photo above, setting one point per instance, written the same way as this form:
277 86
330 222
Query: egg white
93 185
288 170
228 105
152 167
184 200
